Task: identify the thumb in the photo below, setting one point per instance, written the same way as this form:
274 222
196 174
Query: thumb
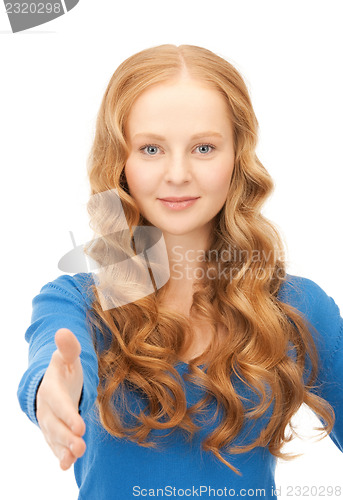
68 345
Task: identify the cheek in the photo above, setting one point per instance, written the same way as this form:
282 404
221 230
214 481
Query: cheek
138 179
220 178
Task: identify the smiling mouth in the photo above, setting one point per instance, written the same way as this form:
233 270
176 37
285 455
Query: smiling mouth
179 199
178 205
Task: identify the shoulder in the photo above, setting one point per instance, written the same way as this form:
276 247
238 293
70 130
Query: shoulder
319 308
77 287
307 296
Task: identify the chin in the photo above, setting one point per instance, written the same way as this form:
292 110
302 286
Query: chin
179 231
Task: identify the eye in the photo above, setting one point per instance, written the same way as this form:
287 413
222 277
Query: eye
204 148
151 148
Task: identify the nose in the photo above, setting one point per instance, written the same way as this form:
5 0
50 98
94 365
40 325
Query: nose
178 170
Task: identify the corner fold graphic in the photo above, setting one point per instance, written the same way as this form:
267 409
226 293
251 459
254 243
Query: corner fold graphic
70 4
24 15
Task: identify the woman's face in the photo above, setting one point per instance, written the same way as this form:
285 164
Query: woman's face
181 145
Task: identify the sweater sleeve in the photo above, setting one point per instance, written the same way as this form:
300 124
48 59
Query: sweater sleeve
330 379
60 304
324 315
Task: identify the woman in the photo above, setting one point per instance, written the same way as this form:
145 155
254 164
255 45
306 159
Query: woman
187 383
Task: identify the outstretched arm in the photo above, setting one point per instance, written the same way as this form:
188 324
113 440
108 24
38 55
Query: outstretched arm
60 384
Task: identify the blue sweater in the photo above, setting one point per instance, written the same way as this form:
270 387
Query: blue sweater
113 468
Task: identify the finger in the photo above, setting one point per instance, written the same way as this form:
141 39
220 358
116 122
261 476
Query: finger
61 452
76 446
64 409
59 437
65 457
68 345
67 460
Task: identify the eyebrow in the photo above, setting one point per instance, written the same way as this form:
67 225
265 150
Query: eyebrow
209 133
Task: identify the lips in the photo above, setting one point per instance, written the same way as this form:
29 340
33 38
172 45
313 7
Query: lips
179 204
176 199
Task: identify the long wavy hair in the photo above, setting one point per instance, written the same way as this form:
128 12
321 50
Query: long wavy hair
138 340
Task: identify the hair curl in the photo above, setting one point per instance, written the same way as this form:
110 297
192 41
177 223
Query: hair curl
141 339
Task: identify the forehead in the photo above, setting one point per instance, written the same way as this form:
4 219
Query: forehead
186 101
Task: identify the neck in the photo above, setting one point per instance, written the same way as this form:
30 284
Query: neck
186 254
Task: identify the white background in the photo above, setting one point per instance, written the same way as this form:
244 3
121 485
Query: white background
52 81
